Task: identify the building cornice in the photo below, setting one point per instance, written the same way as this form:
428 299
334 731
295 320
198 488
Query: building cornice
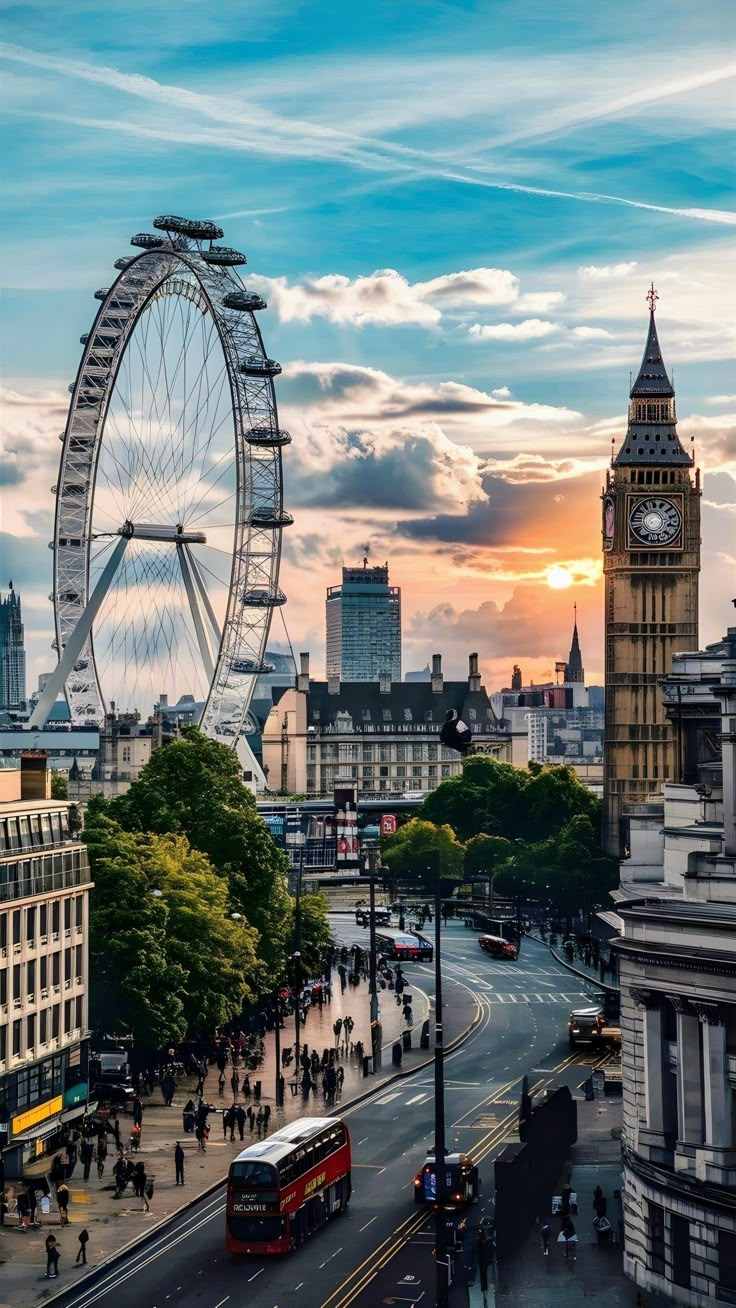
683 958
719 1199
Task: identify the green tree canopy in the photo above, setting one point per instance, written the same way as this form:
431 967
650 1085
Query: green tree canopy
316 934
411 851
487 854
193 787
168 958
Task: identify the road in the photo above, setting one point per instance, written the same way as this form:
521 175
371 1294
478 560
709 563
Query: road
522 1030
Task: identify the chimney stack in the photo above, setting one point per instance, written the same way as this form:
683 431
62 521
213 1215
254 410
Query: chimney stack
302 676
384 683
473 673
333 683
437 678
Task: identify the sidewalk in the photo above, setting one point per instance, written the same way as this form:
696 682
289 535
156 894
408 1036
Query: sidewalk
112 1224
596 1275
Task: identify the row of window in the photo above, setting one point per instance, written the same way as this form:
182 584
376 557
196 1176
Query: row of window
430 717
18 983
33 832
388 752
671 1259
33 925
21 878
47 1025
652 410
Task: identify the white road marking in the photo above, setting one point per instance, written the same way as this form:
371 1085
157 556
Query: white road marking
364 1228
418 1099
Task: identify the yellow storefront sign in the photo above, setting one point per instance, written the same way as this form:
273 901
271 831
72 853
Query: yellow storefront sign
24 1121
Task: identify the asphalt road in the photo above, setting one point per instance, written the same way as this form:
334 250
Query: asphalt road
522 1030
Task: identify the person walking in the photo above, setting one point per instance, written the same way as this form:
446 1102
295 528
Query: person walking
86 1154
545 1235
116 1130
259 1122
62 1199
266 1118
337 1028
235 1082
179 1164
240 1119
568 1237
52 1257
101 1153
600 1203
82 1252
137 1111
221 1082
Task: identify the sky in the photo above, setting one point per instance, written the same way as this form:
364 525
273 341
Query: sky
454 211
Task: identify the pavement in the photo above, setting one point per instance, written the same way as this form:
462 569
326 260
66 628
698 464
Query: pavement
113 1224
381 1248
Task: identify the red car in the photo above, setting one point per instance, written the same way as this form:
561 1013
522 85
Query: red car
497 947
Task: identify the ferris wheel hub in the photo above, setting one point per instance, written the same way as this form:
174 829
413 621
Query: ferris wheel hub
160 531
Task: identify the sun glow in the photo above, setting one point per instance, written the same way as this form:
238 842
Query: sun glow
559 578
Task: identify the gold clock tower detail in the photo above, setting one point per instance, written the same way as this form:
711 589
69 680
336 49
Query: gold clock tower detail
651 561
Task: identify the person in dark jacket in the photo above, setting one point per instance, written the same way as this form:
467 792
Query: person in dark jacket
240 1119
179 1163
82 1254
52 1257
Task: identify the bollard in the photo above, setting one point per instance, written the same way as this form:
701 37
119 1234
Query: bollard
406 1040
257 1091
396 1053
424 1038
366 1065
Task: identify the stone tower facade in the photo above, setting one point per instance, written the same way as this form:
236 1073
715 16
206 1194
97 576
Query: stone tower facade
651 561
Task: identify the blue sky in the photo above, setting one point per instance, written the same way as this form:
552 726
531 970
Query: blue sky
558 156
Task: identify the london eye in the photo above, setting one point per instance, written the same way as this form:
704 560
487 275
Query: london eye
169 499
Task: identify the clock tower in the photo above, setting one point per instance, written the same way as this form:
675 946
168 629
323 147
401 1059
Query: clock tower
651 561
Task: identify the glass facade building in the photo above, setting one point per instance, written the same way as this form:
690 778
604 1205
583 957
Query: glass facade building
364 626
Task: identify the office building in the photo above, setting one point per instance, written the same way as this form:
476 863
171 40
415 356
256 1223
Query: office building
651 561
364 626
44 913
12 652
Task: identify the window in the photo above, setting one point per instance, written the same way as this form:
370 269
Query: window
42 1025
416 771
56 968
31 978
31 1031
79 910
78 1013
67 964
68 914
31 925
16 982
727 1266
16 927
656 1238
680 1233
44 972
78 961
4 986
43 920
16 1038
67 1016
400 771
383 772
55 917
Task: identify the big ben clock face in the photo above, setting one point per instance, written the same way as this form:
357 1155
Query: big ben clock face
655 522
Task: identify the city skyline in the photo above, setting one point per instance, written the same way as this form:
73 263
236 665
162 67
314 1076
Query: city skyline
454 413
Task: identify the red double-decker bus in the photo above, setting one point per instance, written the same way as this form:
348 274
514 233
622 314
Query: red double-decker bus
282 1189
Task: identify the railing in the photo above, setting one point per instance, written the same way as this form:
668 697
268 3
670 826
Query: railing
42 883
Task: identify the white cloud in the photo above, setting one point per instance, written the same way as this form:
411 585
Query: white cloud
501 393
591 334
539 301
385 297
721 399
531 329
606 272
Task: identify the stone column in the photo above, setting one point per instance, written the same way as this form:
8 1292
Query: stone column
649 1001
717 1091
689 1073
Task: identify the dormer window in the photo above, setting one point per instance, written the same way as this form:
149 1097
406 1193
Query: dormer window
407 715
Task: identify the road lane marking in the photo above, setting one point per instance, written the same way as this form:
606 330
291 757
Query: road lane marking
252 1278
365 1228
418 1099
222 1301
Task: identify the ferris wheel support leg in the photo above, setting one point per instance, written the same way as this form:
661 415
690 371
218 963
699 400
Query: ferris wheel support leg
204 649
217 634
73 647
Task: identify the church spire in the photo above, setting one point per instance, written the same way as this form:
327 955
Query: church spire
574 670
651 438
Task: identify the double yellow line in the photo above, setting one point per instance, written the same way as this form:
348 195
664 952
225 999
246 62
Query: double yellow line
404 1231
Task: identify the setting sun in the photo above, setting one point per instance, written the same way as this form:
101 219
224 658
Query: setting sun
559 578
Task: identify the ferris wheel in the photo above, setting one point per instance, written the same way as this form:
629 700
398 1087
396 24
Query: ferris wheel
169 501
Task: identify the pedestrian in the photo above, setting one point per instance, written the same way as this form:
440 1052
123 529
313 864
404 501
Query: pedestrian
201 1134
135 1137
101 1153
251 1119
337 1028
32 1203
52 1257
116 1130
240 1118
82 1254
339 1081
57 1171
179 1163
545 1234
120 1172
137 1111
568 1237
62 1199
266 1118
221 1081
235 1082
86 1154
225 1112
259 1122
600 1203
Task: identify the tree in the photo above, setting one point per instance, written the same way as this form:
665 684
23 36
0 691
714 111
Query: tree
316 934
168 957
59 785
193 787
487 854
136 990
487 796
409 853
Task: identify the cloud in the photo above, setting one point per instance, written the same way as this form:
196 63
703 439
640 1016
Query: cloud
721 399
539 301
501 393
385 297
591 334
531 329
606 272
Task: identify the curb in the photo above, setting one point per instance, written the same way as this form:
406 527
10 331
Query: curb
355 1102
586 976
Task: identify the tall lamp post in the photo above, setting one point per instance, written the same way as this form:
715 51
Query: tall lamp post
442 1266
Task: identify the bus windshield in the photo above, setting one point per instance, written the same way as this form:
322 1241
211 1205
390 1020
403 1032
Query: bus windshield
253 1172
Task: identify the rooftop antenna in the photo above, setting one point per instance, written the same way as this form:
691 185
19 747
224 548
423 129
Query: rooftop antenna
652 297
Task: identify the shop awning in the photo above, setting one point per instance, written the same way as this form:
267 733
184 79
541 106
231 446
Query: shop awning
40 1132
612 920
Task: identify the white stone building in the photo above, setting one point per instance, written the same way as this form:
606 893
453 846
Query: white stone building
677 957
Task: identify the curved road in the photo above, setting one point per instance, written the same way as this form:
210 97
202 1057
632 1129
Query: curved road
522 1030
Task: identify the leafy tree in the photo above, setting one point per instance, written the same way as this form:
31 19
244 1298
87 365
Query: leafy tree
136 988
316 934
553 797
487 854
59 785
193 787
411 851
487 796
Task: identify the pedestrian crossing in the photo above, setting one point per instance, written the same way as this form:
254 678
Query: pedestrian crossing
569 997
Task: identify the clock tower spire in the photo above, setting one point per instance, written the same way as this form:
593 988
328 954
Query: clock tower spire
651 561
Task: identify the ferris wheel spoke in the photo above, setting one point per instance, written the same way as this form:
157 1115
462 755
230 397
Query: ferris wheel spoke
203 450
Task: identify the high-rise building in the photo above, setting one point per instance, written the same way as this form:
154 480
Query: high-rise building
12 652
364 626
574 670
516 680
651 561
